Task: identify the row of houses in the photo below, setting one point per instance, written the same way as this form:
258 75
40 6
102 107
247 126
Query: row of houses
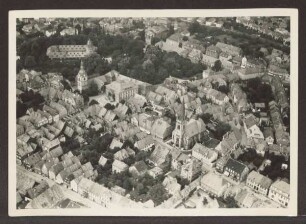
277 191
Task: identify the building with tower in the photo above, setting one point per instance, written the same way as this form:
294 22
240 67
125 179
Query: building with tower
187 132
71 51
81 78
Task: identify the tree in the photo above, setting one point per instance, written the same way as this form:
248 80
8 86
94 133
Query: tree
185 38
158 194
217 66
79 28
205 201
109 106
93 102
29 62
194 27
221 129
231 202
93 89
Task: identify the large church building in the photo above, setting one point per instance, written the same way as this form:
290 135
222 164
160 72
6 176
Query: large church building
187 132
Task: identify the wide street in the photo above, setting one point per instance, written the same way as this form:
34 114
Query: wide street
67 192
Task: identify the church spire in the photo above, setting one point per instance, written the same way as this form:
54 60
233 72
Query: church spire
82 65
184 112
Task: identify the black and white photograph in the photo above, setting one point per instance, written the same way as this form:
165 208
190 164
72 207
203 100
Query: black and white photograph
153 112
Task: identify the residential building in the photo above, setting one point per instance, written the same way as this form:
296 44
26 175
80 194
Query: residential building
214 184
246 199
258 182
217 97
119 166
229 49
171 185
213 51
145 143
155 32
191 169
205 155
280 192
268 135
251 128
140 168
236 170
161 129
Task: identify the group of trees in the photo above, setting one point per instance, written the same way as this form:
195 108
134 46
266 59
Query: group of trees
141 188
220 128
128 57
258 92
251 156
275 170
241 36
29 99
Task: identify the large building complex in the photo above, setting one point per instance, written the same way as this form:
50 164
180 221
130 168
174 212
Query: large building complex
71 51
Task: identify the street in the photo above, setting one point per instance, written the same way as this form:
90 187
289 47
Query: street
67 192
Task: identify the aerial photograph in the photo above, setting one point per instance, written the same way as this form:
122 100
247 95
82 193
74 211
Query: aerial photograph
152 112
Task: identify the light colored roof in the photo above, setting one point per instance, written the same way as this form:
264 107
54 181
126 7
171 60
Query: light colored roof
143 143
120 165
102 161
250 121
48 199
159 127
194 127
204 150
115 143
259 179
121 155
246 198
159 154
282 186
213 181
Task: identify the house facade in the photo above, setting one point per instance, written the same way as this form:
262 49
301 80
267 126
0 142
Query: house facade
258 182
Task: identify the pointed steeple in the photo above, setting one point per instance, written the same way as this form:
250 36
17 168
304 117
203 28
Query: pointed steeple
183 112
89 43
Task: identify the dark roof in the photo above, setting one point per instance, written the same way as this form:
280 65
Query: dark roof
235 165
141 166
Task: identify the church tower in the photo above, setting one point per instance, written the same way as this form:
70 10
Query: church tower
81 78
244 62
178 133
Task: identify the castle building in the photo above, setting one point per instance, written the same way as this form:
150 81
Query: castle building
81 78
71 51
187 131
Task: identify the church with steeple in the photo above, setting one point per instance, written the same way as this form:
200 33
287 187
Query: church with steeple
81 79
187 132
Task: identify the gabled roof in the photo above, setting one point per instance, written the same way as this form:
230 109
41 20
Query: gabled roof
159 154
209 153
235 165
259 179
115 143
140 166
282 186
120 165
102 161
214 181
49 198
